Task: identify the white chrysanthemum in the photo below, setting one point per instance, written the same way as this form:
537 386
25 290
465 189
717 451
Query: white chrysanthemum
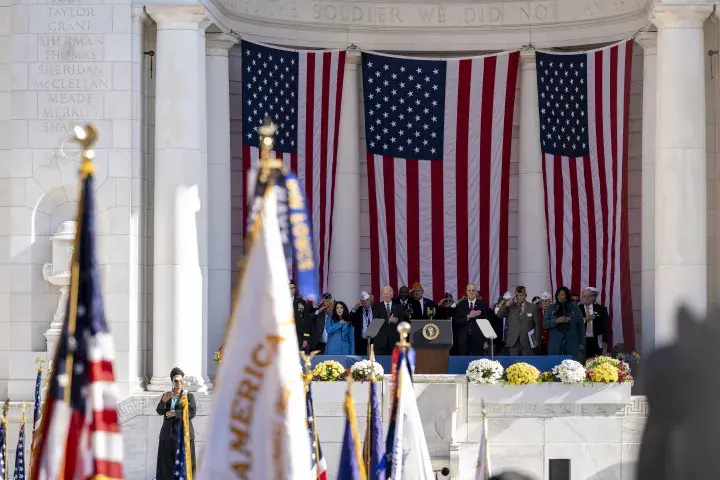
365 370
484 371
569 371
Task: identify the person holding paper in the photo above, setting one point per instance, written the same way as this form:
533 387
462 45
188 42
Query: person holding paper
521 328
470 339
567 326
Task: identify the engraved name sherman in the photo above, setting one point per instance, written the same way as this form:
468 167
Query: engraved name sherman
70 47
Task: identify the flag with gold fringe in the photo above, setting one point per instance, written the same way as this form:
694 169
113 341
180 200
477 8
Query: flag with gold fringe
183 461
352 466
374 448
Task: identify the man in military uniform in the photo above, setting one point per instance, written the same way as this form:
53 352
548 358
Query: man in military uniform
300 309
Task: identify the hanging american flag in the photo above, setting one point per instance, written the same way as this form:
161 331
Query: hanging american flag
318 464
584 103
438 136
301 92
19 472
79 435
36 405
4 443
183 460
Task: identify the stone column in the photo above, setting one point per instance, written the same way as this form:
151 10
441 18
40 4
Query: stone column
345 249
219 196
533 265
648 41
680 171
180 220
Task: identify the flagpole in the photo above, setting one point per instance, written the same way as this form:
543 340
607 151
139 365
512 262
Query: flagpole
367 448
4 425
350 414
308 380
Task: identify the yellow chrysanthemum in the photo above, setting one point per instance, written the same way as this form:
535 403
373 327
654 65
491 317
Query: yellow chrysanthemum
522 374
328 371
604 373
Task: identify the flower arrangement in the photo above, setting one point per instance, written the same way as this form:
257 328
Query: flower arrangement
569 371
217 358
328 371
603 373
484 371
521 374
622 367
367 371
546 377
621 353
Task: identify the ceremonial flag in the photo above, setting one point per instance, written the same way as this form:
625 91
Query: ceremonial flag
318 465
584 101
482 471
374 449
258 427
4 443
351 461
19 472
438 135
36 405
79 436
183 459
301 92
407 456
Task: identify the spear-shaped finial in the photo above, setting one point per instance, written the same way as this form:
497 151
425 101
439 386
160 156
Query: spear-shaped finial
308 365
40 362
6 407
404 330
22 407
267 133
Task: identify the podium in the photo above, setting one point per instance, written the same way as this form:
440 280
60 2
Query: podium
432 340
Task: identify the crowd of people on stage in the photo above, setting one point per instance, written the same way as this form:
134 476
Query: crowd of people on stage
573 324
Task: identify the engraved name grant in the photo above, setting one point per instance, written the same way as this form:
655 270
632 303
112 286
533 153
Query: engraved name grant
261 357
70 19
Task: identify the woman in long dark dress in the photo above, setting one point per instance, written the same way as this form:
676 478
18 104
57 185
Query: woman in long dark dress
169 407
567 326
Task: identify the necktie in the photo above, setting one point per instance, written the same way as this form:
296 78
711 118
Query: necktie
367 318
387 308
506 326
472 306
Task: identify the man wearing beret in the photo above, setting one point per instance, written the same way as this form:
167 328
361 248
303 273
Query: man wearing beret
521 318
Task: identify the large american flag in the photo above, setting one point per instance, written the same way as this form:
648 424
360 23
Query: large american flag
301 92
438 136
584 102
79 436
318 463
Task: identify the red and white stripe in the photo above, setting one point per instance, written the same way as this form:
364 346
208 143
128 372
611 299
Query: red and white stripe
445 223
587 199
320 85
73 446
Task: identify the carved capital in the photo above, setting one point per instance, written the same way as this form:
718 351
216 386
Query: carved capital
648 41
177 17
680 15
218 44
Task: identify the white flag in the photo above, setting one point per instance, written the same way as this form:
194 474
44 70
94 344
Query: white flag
258 425
482 471
411 459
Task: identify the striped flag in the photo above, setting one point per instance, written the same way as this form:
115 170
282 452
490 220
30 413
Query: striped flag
19 472
438 136
4 443
352 466
318 464
301 92
36 405
374 449
584 103
79 436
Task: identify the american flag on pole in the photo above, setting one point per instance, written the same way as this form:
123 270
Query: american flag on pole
438 136
4 445
36 406
19 472
584 103
301 92
79 437
318 463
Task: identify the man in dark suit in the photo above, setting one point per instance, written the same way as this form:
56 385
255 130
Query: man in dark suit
403 299
420 304
470 339
315 325
596 323
300 310
393 314
361 317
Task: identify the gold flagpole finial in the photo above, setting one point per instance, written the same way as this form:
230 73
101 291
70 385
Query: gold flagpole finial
404 330
267 133
40 362
6 407
22 407
307 359
86 136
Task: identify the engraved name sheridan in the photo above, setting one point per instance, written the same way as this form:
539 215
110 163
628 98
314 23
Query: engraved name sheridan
261 357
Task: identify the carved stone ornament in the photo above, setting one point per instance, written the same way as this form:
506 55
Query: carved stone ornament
57 273
439 25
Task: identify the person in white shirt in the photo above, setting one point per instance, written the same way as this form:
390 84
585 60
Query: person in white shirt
596 322
361 317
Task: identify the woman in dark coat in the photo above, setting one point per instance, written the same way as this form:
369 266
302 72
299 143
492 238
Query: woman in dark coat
169 407
567 326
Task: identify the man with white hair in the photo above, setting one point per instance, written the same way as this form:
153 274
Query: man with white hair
392 313
361 317
596 323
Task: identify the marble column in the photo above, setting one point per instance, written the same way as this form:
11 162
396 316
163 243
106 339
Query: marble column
219 196
345 249
648 41
180 220
680 167
533 265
